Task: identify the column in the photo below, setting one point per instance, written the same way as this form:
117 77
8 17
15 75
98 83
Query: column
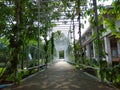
58 55
94 52
118 48
65 55
108 50
88 51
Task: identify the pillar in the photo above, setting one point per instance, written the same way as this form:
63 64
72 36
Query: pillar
64 54
88 51
108 50
58 55
118 45
94 51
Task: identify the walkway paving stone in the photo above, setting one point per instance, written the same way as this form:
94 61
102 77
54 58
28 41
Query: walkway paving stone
62 76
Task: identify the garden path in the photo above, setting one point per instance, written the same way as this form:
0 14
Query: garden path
61 76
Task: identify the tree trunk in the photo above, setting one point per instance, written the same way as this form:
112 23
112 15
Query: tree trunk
23 57
16 38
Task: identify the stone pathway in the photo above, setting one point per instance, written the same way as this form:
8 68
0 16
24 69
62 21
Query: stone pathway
62 76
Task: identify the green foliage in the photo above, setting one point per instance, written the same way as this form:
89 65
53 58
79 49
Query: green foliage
110 16
61 54
87 61
77 66
95 63
113 74
52 44
2 71
116 34
26 73
33 63
110 24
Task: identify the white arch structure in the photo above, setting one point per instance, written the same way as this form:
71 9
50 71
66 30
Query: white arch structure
61 43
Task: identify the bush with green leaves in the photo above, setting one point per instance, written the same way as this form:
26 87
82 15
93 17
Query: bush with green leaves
113 75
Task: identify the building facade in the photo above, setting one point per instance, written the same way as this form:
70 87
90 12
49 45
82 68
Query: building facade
110 46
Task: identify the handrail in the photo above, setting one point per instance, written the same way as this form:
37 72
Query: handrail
33 67
5 85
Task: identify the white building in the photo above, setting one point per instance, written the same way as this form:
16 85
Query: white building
110 46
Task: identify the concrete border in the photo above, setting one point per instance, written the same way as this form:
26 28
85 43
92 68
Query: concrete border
9 87
32 75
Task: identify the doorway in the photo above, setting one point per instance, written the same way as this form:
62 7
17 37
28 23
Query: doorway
61 54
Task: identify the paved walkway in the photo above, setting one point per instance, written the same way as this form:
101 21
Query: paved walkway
62 76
